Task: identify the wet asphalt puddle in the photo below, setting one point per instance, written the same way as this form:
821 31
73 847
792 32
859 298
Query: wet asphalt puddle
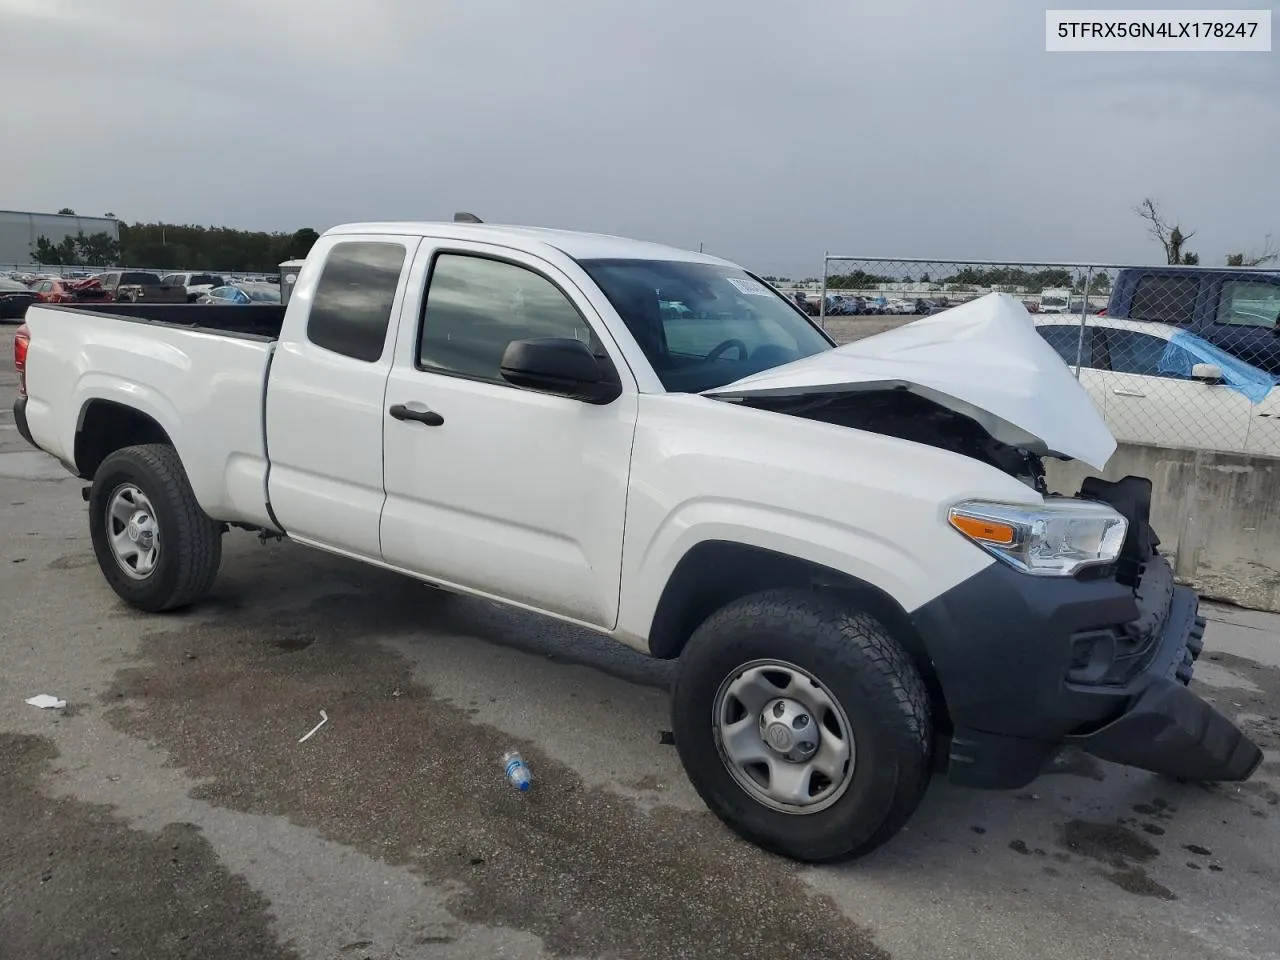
1254 703
79 882
413 780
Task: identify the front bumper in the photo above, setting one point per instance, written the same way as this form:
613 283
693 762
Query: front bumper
1029 664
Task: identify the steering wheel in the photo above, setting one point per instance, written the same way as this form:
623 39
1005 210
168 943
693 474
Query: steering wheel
721 347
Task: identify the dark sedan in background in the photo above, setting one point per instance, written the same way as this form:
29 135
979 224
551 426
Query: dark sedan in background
14 299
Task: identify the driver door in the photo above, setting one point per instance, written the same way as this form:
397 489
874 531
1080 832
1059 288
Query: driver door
512 493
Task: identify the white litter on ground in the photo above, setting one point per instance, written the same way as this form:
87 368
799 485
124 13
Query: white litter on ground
44 701
324 718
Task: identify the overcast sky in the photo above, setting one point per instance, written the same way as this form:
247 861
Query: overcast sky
768 131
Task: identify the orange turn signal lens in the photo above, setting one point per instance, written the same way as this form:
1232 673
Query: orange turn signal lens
984 529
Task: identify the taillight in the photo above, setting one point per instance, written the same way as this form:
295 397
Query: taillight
21 341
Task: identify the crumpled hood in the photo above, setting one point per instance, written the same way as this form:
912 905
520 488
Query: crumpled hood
983 359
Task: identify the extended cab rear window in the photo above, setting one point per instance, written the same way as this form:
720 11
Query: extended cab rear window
352 305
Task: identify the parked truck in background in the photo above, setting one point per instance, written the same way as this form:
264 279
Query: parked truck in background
197 285
1235 310
853 552
140 286
1055 300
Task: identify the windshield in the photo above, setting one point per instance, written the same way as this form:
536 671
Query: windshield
1053 301
140 279
702 325
201 279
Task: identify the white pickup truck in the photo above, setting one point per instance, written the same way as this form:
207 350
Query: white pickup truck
853 552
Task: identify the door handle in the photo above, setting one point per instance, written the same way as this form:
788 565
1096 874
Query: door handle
401 412
1125 392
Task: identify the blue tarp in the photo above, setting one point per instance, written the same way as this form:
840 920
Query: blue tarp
1186 349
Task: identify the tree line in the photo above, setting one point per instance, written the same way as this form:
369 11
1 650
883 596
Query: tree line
973 278
165 246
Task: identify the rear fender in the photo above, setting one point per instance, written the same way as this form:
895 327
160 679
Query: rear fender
100 387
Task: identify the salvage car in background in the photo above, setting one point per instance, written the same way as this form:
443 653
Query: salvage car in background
1162 385
242 294
15 297
69 291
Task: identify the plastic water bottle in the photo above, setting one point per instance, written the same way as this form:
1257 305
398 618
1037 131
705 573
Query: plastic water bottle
516 771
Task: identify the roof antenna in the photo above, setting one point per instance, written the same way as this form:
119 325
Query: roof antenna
462 217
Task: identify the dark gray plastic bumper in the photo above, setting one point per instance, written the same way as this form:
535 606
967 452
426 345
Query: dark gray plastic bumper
1171 731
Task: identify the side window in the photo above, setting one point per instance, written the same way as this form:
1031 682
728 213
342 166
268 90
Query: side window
475 307
1066 339
1133 352
352 305
1244 303
110 281
1167 299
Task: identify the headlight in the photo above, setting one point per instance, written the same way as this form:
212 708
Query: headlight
1053 540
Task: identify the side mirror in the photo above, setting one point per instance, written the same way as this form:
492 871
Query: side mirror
559 365
1206 372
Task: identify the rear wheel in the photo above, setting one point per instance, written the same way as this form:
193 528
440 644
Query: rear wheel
155 546
803 724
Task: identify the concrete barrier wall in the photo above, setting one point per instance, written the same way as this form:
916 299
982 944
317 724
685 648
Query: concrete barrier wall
1217 513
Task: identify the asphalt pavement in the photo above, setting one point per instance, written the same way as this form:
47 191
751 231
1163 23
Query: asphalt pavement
170 811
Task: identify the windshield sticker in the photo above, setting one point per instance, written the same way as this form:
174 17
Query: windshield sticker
748 287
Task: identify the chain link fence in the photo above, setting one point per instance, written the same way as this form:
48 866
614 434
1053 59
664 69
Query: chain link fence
1172 356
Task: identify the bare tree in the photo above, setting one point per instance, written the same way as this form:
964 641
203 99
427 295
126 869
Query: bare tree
1268 254
1171 237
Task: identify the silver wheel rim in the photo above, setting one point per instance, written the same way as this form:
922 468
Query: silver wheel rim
783 736
132 531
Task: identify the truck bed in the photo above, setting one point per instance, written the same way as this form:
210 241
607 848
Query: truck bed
253 320
196 374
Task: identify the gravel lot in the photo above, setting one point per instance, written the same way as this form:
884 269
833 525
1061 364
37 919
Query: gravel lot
848 329
169 810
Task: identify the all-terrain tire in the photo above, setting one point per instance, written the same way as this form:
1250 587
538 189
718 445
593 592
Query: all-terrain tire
859 664
189 541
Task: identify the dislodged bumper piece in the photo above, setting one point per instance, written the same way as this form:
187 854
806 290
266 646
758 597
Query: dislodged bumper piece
1171 731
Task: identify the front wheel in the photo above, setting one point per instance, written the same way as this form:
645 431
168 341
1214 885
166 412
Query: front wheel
157 549
803 724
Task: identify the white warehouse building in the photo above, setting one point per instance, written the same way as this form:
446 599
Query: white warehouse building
19 231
